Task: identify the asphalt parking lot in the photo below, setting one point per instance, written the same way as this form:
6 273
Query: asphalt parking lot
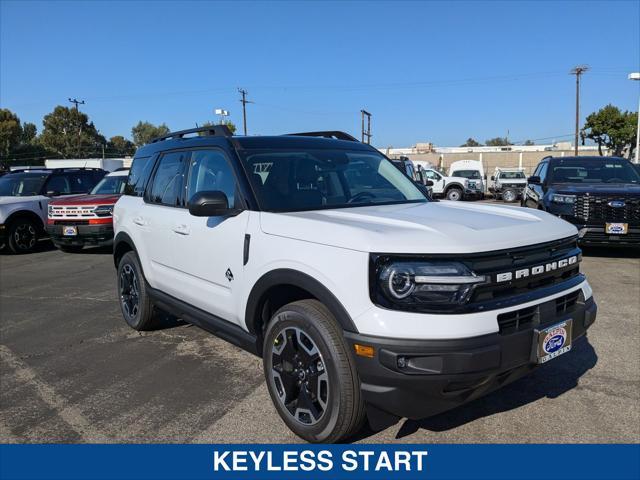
72 371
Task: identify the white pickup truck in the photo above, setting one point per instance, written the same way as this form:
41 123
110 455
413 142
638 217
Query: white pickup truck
452 188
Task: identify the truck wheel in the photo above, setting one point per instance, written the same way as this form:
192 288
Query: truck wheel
454 194
23 235
135 303
509 195
310 374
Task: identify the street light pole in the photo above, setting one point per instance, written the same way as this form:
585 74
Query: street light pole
636 76
577 71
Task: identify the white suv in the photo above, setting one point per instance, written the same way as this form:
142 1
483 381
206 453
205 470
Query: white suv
365 299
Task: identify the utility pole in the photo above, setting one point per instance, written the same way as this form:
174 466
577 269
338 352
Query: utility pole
367 132
77 102
244 102
577 71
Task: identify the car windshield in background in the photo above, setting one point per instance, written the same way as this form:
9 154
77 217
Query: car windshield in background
605 170
22 184
290 180
110 185
511 175
474 174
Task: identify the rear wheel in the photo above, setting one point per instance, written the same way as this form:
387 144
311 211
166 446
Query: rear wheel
310 374
135 303
454 194
23 235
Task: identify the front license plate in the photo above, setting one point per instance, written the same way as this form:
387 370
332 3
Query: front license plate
554 341
616 228
70 231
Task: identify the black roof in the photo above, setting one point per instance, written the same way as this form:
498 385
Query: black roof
209 136
585 158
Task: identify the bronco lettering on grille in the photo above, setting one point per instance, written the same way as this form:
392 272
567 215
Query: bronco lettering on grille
537 270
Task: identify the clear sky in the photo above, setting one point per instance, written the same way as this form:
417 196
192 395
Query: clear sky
427 71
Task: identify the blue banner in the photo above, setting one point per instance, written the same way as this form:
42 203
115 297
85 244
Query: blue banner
69 462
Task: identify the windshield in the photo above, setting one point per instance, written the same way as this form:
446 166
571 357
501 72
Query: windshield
290 180
22 184
467 174
110 185
511 175
605 170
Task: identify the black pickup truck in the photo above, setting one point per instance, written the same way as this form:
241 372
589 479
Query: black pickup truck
599 195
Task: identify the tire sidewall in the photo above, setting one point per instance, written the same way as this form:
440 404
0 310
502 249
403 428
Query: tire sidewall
295 318
454 191
505 196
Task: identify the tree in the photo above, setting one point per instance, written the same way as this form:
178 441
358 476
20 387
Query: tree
529 142
611 128
29 133
471 143
144 132
68 133
119 145
230 125
497 142
10 131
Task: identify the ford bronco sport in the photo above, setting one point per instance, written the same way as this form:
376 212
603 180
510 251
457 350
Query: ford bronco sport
364 299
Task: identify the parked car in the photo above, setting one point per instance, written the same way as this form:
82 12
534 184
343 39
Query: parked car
364 298
472 170
25 195
86 220
452 188
599 195
508 184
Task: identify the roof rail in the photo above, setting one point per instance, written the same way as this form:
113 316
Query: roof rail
338 135
211 131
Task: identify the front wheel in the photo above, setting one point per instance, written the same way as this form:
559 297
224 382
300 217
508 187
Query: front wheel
23 235
509 196
454 194
310 374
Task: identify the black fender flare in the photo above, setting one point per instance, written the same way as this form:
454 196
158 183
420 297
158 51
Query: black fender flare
286 276
120 239
27 214
451 185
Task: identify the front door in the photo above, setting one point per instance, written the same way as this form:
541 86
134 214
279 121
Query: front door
436 178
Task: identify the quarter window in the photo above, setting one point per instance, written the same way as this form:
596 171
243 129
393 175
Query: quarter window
167 183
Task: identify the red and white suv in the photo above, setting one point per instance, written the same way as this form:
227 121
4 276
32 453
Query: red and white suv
83 220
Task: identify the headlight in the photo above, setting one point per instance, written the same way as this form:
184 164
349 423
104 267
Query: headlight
49 209
104 210
415 284
563 198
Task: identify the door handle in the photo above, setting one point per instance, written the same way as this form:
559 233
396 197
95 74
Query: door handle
139 221
181 230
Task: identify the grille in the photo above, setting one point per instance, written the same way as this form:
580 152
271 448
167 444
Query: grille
596 207
566 303
61 212
517 320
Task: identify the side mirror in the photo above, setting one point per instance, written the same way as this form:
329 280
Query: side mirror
429 183
53 193
209 204
493 178
534 180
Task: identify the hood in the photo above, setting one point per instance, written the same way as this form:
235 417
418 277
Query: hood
597 188
433 227
87 200
10 200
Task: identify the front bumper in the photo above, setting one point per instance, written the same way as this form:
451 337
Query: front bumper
472 194
595 236
93 235
419 378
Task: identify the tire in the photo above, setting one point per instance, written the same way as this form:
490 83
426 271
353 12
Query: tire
311 377
509 196
70 248
135 303
454 194
23 235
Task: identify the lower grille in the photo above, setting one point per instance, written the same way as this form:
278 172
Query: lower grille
511 322
564 304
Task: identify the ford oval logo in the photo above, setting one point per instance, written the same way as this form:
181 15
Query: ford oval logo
554 344
616 204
